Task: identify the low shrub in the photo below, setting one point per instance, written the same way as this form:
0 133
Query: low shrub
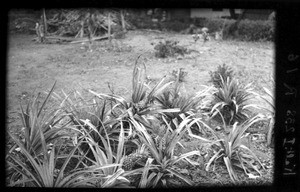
145 24
213 24
256 30
175 25
140 21
217 24
248 30
169 48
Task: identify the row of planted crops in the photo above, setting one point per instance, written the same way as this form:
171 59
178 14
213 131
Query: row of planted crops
107 140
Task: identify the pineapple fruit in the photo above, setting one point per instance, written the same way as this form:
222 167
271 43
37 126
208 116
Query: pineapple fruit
128 163
158 140
131 160
141 105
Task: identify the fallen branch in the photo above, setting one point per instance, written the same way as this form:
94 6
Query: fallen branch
61 38
74 40
93 39
68 39
151 30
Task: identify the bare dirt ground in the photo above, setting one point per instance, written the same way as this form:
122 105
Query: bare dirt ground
33 66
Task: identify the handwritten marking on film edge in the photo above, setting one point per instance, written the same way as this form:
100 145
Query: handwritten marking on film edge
290 138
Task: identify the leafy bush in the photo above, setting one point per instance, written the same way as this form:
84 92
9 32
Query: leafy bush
139 21
256 30
217 24
213 24
169 48
223 72
174 25
248 30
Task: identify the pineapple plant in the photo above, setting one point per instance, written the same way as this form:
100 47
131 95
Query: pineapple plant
223 72
161 166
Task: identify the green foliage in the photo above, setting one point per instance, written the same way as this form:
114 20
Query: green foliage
169 48
248 30
234 153
163 161
43 171
71 22
175 25
217 24
256 30
271 117
140 21
269 98
112 174
145 22
140 106
95 112
189 105
133 142
36 119
223 71
231 99
175 99
179 75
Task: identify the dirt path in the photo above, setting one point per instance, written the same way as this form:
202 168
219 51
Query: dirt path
33 66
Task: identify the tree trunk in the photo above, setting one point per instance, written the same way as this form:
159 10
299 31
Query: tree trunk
90 28
123 21
241 16
109 28
45 21
82 29
232 14
234 27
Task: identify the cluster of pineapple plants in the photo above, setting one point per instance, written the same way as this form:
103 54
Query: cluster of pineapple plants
114 141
